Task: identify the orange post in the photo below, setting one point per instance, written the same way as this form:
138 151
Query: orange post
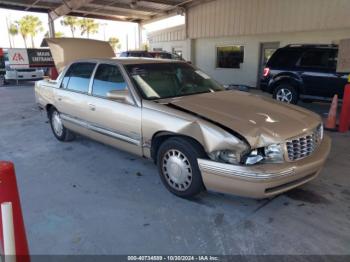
331 122
344 122
9 193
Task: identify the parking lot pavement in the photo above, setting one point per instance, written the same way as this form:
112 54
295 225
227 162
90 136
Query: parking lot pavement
87 198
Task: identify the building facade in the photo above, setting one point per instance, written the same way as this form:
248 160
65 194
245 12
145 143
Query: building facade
232 39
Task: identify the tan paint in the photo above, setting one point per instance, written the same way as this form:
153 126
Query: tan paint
304 171
259 120
67 50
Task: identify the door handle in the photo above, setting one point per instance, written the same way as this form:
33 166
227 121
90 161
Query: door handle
92 107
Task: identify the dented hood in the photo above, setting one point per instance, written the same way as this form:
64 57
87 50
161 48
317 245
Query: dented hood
261 121
67 50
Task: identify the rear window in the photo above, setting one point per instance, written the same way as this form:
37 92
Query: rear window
284 58
78 77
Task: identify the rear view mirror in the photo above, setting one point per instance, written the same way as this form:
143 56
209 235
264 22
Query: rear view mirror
120 96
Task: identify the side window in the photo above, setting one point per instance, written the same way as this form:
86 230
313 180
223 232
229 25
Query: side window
284 58
316 59
78 77
107 78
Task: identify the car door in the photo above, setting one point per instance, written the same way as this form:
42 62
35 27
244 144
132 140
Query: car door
317 71
72 96
114 122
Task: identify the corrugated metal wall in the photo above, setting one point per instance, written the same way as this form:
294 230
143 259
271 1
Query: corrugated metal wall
172 34
245 17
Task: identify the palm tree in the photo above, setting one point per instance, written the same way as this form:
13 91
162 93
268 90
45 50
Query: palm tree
59 34
88 26
114 42
13 31
29 26
23 29
35 26
72 22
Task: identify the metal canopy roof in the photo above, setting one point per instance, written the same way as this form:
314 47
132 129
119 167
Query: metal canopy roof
121 10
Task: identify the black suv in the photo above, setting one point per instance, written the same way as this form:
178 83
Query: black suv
136 53
306 72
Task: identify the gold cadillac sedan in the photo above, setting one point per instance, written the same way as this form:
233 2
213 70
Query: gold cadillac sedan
200 135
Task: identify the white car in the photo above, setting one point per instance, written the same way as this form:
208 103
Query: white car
24 74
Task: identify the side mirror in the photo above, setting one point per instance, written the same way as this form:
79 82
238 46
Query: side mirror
120 96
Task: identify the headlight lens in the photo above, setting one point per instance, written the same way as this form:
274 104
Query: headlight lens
320 132
274 153
226 156
269 154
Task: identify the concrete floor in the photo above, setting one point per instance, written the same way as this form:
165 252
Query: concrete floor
87 198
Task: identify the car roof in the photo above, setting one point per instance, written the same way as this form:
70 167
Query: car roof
130 60
309 46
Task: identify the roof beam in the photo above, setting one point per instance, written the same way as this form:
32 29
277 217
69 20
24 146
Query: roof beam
67 7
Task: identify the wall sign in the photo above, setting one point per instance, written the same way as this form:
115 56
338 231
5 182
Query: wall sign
344 56
31 57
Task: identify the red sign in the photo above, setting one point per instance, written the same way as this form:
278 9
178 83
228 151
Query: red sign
18 57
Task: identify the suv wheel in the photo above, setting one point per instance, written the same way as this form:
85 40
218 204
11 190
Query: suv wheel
178 167
60 132
286 93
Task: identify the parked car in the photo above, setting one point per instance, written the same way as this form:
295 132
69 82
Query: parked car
165 55
136 53
24 74
200 135
303 72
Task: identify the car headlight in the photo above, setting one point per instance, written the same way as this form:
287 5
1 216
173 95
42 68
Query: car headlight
269 154
320 132
226 156
274 153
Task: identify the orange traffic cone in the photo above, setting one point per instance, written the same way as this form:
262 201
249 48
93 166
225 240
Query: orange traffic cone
331 121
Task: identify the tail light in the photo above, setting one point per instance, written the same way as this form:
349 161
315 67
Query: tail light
266 72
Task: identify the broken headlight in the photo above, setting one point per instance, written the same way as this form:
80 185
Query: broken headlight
269 154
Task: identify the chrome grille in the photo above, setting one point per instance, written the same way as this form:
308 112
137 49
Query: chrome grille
304 146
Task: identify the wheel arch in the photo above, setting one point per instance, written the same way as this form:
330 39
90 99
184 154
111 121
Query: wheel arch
290 79
48 108
161 136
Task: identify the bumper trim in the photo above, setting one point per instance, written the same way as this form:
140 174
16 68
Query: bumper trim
228 170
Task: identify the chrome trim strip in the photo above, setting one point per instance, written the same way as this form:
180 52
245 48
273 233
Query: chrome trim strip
243 172
101 130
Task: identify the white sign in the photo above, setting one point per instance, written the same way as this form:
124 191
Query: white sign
344 56
18 58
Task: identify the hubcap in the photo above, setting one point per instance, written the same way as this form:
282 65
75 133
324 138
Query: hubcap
177 170
284 95
57 123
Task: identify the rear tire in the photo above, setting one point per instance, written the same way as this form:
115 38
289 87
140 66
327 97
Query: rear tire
286 93
178 167
58 129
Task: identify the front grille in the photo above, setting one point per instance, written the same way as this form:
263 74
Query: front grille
304 146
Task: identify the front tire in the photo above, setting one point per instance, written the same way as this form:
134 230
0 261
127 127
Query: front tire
286 93
58 129
178 167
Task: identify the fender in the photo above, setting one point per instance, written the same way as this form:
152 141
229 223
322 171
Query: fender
290 77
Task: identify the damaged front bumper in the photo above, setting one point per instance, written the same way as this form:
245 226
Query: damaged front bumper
265 180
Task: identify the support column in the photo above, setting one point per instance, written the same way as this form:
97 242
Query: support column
139 37
51 27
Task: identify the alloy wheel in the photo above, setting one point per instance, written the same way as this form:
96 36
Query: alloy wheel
284 95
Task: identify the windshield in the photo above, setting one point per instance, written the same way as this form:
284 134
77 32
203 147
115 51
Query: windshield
168 80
